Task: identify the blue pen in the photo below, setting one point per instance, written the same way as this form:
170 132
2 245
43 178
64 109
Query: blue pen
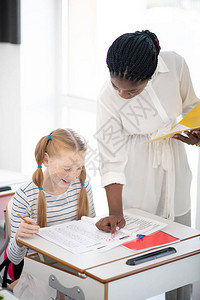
140 236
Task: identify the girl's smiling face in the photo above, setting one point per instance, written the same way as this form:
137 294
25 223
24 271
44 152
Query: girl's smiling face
127 89
62 170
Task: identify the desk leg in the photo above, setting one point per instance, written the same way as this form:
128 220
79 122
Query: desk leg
71 293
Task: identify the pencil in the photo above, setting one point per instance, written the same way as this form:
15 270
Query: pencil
24 219
114 234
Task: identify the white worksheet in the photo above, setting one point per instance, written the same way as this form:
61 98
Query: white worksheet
82 236
141 225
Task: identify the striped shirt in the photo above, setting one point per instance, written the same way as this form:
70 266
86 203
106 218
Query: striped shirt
60 208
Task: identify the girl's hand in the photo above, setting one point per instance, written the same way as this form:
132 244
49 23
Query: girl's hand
109 224
192 138
26 230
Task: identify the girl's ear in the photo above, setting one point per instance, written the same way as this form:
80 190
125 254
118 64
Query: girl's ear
46 159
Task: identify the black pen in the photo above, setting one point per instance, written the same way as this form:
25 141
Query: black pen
124 237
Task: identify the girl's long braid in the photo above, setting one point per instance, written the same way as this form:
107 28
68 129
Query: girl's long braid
38 179
83 202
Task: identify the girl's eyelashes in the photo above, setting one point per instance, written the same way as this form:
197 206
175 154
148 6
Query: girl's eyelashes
70 169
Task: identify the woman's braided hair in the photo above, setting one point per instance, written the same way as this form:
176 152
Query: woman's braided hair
134 56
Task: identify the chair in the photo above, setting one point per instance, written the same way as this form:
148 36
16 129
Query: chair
5 263
13 270
7 214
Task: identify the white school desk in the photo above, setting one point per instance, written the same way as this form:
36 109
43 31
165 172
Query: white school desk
105 276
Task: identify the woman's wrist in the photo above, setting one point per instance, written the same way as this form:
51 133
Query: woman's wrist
116 213
114 196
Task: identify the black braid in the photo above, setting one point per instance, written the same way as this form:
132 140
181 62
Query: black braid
154 39
134 56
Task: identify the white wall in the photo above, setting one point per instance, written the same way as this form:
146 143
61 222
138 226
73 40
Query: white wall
38 74
28 85
10 113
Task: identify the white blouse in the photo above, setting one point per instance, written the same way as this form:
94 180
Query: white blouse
156 176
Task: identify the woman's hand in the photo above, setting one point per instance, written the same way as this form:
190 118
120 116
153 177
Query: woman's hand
26 230
109 224
192 138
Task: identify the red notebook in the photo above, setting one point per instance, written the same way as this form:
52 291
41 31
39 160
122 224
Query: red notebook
153 240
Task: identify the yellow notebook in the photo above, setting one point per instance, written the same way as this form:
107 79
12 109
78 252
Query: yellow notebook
190 122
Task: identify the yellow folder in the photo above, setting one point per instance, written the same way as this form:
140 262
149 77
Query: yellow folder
190 122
